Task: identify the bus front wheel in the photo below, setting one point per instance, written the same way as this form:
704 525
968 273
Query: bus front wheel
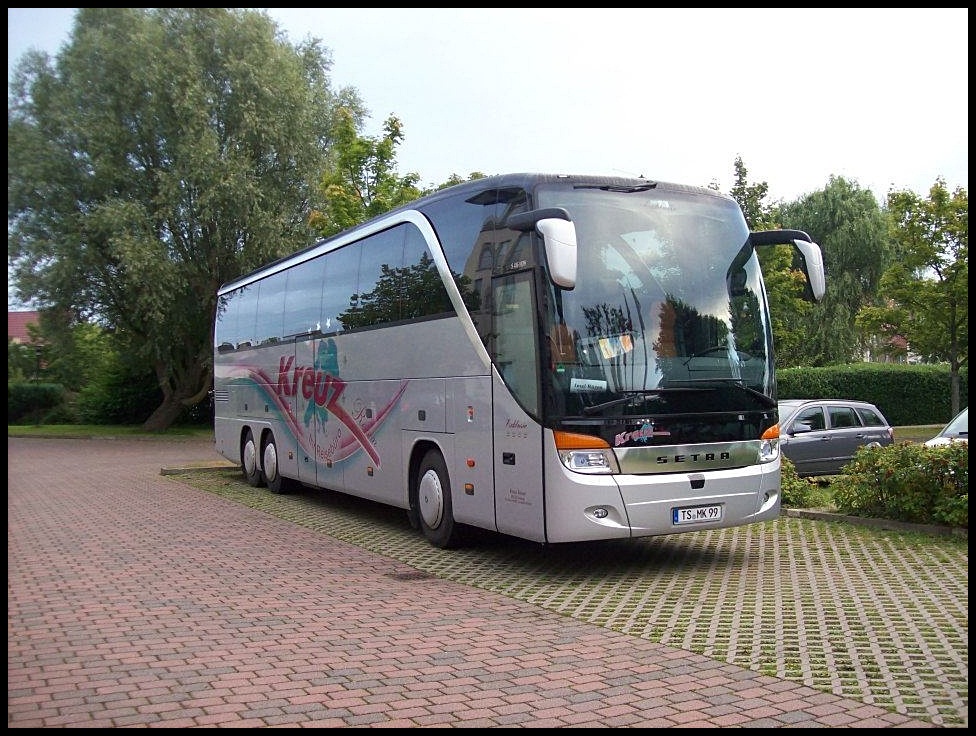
434 508
249 460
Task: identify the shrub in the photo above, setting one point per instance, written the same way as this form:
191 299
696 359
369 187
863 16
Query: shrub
28 403
123 392
801 493
907 482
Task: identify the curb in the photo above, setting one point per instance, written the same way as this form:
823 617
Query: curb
899 526
176 469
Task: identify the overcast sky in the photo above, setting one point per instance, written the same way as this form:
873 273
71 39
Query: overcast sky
877 96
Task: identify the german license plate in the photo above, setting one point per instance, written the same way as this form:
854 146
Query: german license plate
696 514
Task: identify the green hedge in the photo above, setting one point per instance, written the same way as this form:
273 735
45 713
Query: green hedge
31 402
906 394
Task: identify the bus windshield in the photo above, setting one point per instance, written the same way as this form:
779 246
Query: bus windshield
668 314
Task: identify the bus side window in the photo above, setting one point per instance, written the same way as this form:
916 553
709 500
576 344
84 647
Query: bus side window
515 344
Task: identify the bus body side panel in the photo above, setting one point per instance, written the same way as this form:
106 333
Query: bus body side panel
291 370
227 429
469 420
375 469
520 506
400 387
250 391
279 409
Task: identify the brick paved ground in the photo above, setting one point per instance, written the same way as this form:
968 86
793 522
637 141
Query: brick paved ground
135 600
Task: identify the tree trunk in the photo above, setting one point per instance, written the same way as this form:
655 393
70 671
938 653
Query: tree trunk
954 392
164 415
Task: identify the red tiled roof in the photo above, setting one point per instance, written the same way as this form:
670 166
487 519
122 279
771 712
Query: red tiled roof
17 325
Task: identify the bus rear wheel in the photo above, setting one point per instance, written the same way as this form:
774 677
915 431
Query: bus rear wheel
434 509
249 461
272 473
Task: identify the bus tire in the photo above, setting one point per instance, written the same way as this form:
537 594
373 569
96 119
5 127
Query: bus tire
272 473
250 464
434 507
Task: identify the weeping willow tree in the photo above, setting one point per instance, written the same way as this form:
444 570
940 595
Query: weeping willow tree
163 152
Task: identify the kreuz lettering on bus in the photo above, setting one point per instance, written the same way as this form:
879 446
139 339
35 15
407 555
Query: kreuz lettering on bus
284 366
325 389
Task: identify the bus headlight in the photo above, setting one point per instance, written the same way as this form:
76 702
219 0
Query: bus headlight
769 445
583 453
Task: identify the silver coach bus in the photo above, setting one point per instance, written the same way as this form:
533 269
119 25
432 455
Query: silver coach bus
558 358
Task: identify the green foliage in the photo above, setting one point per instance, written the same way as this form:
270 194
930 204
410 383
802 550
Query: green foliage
750 198
73 351
852 230
907 482
361 182
22 362
926 288
165 152
801 493
124 392
30 403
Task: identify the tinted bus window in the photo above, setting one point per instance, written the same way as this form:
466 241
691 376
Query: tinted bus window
379 268
271 303
247 313
303 299
422 293
340 293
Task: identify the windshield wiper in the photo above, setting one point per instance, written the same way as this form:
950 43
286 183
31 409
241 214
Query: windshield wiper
629 189
738 383
631 395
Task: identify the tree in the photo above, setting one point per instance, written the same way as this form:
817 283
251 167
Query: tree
927 285
361 181
167 151
852 230
750 198
456 179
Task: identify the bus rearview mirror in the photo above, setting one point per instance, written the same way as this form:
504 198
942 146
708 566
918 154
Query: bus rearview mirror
560 238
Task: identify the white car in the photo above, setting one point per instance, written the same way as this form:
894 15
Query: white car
955 431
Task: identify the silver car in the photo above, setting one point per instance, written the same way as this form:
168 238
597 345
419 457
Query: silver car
820 436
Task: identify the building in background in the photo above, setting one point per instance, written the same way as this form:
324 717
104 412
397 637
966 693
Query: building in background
17 326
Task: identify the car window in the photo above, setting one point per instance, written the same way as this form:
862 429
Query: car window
843 416
870 418
812 416
959 425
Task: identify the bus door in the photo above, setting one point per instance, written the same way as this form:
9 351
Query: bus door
518 457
